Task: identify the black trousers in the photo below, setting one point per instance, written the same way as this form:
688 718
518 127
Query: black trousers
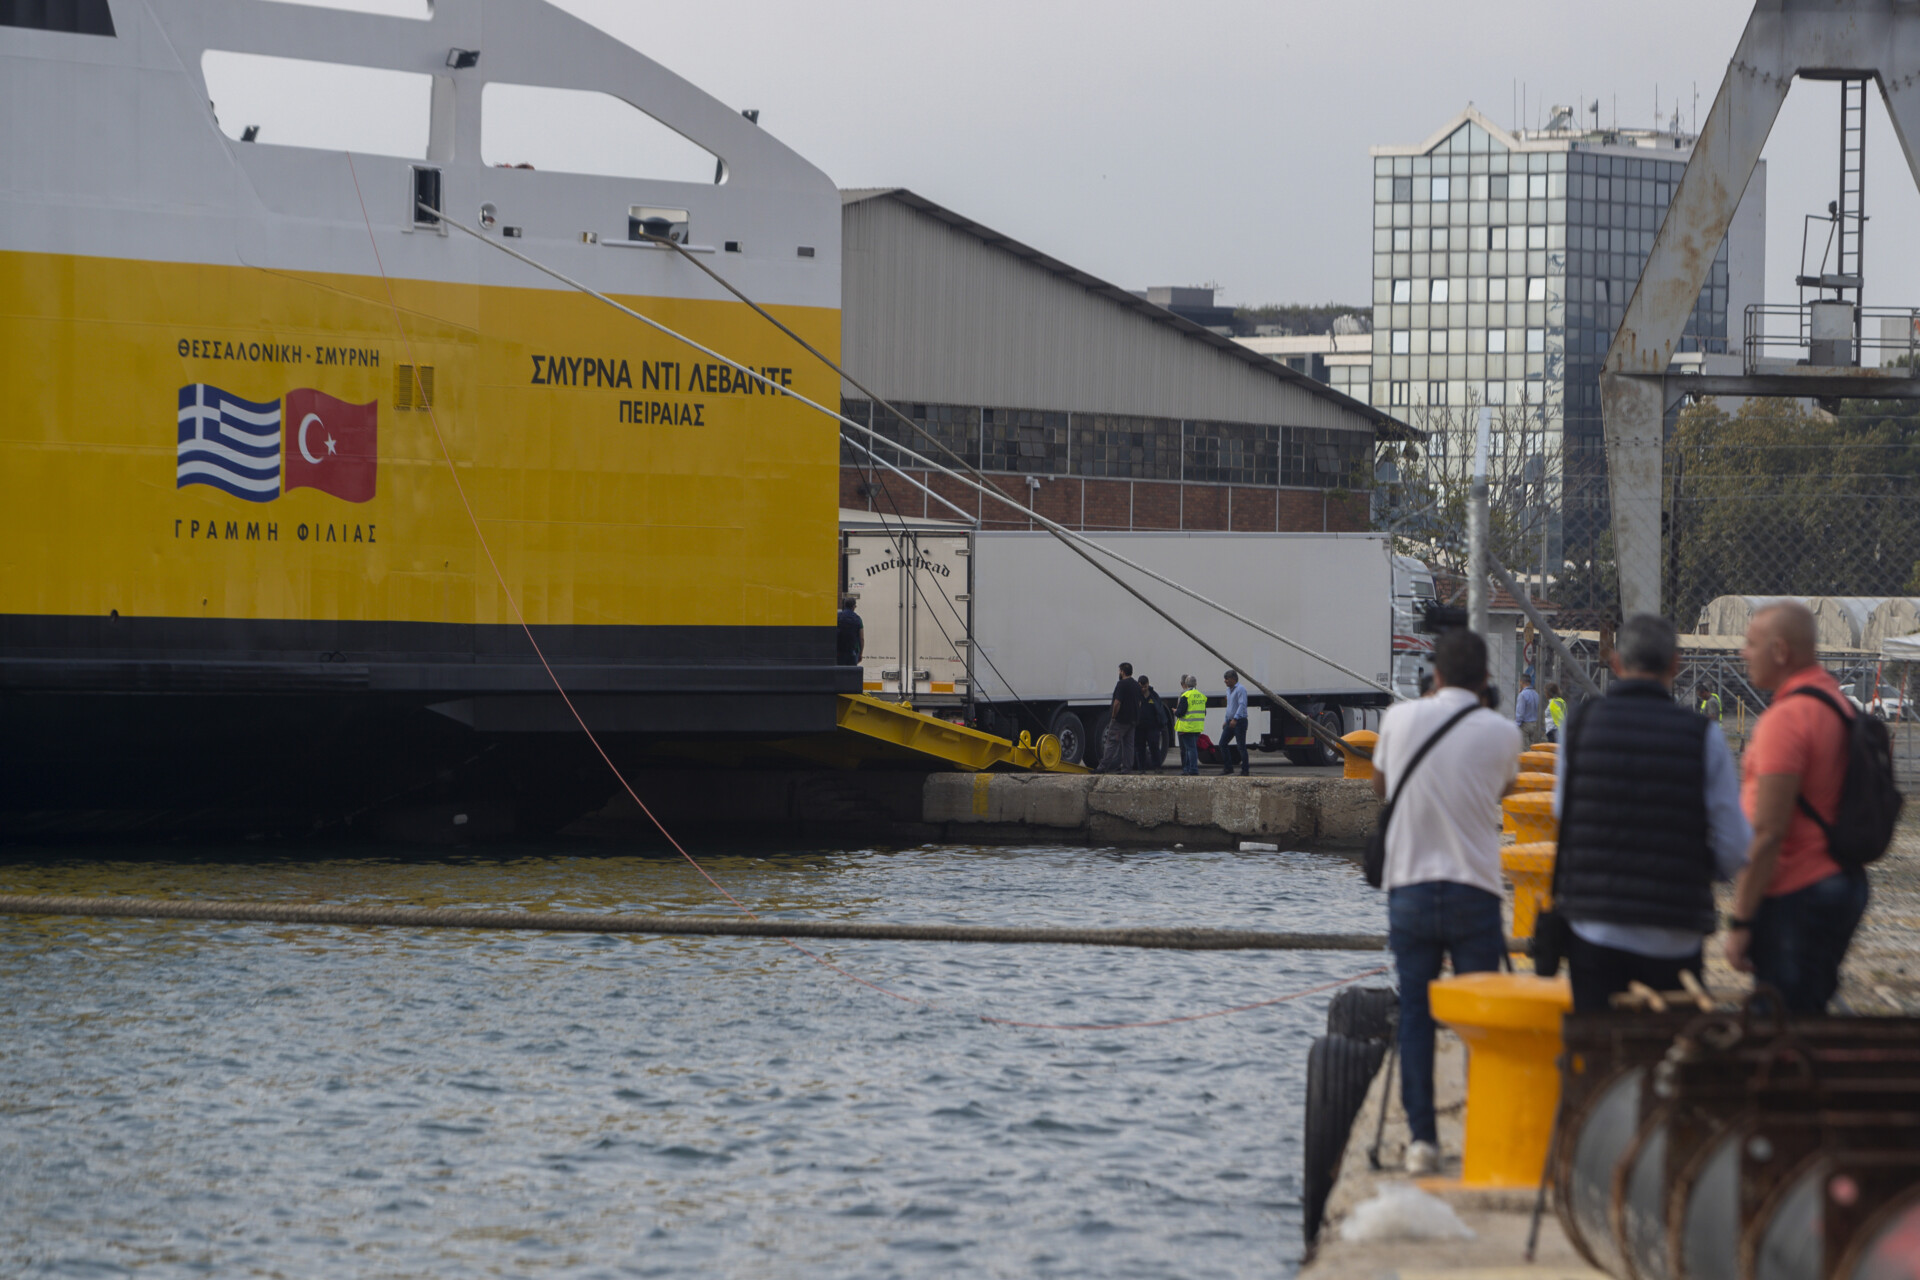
1598 972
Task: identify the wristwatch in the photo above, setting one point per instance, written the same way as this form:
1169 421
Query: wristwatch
1735 922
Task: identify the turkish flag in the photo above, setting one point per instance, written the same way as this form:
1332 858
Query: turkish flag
331 445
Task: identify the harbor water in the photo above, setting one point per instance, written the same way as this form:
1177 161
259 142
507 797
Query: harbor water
188 1099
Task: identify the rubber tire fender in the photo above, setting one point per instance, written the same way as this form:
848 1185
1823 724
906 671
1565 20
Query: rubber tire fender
1339 1072
1364 1013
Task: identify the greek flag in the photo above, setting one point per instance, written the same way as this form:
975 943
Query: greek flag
229 443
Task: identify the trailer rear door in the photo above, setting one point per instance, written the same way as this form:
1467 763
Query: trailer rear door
913 593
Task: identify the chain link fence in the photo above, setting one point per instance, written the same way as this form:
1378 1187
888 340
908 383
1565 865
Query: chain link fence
1780 499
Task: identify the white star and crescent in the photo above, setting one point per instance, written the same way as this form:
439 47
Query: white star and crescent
307 453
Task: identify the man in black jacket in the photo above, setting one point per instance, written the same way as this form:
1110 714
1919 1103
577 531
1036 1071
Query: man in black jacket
1649 805
1150 732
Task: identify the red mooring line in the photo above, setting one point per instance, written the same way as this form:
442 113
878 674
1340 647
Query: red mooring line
433 418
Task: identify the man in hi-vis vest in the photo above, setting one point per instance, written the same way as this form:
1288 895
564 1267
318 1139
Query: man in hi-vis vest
1192 720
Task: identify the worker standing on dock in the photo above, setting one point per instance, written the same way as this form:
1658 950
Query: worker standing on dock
851 634
1234 726
1649 805
1443 854
1556 713
1192 723
1116 750
1796 908
1526 713
1150 733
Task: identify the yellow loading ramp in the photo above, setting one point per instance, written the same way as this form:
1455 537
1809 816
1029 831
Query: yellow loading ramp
866 722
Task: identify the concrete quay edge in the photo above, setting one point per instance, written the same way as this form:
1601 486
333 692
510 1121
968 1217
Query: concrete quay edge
1149 809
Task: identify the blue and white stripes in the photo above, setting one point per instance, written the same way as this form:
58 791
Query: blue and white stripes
229 443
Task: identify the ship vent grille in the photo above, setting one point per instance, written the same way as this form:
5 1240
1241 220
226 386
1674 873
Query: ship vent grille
413 388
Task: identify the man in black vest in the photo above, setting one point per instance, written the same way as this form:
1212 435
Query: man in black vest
1649 805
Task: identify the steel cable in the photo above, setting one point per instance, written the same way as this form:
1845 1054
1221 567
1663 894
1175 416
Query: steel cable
1162 938
1079 542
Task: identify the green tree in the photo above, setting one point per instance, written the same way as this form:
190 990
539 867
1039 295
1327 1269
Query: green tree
1301 317
1778 500
1425 502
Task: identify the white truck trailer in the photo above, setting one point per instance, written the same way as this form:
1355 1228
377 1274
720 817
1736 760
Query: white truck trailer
1013 631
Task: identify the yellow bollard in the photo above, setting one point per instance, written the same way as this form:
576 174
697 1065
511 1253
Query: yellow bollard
1537 761
1532 814
1551 748
1526 782
1530 868
1511 1024
1353 766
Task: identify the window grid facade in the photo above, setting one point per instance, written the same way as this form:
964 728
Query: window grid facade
1535 254
1030 441
1130 447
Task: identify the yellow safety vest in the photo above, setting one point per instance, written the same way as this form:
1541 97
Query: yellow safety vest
1193 716
1557 712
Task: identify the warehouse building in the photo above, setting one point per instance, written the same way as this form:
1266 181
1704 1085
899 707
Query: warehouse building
1083 402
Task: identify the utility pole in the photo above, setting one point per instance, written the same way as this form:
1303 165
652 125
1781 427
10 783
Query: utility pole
1477 529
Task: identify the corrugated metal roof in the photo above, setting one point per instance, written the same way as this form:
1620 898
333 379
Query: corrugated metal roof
1383 423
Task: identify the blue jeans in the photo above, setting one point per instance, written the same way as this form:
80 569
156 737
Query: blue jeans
1425 922
1189 753
1228 732
1800 938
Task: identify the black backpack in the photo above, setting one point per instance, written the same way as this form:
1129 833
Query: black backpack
1870 803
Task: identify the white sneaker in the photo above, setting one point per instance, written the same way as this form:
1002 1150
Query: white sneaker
1423 1158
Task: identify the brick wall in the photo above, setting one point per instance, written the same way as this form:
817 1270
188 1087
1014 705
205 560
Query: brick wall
1254 510
1206 506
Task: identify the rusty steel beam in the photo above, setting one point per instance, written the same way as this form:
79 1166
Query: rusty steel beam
1784 39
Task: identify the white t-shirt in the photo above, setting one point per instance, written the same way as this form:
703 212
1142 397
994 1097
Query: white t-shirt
1447 824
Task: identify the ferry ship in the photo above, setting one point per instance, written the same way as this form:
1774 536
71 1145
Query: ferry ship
239 577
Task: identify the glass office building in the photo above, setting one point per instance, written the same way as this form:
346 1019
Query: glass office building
1502 264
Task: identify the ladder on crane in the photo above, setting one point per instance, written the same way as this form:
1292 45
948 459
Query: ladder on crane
1850 212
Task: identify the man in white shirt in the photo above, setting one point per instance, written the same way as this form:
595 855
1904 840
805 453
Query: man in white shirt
1443 854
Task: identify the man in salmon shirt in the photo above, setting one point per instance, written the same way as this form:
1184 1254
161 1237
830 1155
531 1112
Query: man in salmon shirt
1795 908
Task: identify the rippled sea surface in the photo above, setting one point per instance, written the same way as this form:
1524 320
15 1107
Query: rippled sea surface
187 1099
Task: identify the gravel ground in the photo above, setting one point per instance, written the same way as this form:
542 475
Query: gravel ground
1882 972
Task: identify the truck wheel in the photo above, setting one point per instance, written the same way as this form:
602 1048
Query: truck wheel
1319 755
1096 722
1072 734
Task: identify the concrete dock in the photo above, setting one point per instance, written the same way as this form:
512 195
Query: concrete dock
1498 1219
1308 808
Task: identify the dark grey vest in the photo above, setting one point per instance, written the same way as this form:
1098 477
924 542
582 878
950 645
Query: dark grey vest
1633 827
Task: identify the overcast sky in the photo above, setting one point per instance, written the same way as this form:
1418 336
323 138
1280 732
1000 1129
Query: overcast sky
1227 142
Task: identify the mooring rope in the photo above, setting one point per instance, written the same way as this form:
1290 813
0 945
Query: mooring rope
1175 938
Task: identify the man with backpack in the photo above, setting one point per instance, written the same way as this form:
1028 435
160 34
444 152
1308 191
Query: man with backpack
1817 785
1442 863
